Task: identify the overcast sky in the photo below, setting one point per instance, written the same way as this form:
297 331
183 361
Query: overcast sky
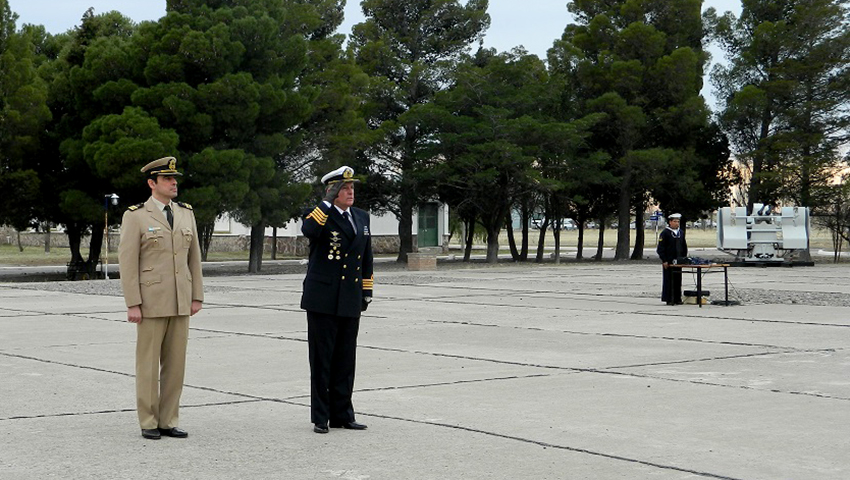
534 24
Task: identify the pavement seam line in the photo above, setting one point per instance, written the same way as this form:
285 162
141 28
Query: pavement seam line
555 446
122 410
618 335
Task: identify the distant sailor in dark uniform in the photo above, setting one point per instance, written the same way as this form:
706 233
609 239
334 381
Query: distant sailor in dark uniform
160 260
337 288
672 247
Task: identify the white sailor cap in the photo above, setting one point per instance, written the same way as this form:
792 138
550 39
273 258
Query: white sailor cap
341 174
675 216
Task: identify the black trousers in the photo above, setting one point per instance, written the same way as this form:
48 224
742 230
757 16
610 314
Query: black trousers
332 341
671 286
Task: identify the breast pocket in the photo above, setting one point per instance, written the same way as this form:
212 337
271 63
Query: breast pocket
153 240
187 237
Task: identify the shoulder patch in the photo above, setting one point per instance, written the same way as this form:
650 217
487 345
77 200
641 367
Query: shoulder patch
185 205
135 207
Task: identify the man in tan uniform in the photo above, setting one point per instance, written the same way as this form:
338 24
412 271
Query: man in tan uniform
160 260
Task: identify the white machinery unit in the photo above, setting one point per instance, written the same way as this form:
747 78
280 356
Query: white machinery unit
762 236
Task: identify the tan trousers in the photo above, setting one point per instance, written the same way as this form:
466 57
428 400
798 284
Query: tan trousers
160 365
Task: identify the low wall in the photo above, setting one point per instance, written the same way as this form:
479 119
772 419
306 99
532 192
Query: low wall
286 246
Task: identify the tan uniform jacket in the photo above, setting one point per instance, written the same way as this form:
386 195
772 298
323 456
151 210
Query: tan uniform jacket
160 267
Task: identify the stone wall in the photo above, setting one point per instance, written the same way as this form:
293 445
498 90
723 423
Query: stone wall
286 246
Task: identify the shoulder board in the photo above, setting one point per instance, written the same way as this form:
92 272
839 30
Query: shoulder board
185 205
135 207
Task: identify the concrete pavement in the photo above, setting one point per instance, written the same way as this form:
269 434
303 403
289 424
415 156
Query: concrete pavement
575 371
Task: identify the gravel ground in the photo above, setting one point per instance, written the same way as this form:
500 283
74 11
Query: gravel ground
750 296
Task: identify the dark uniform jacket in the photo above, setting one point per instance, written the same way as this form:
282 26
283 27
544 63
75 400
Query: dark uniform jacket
339 274
671 247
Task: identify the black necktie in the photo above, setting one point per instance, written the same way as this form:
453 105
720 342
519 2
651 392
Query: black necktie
348 217
169 216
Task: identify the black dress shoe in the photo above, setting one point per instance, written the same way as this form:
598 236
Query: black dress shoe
320 427
349 425
173 432
151 433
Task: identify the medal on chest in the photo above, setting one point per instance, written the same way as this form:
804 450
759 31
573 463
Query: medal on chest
335 246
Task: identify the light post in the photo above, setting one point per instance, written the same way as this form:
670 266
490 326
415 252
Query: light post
106 199
656 219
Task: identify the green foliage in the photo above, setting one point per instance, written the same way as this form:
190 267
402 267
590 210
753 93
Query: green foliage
116 145
20 200
639 63
23 95
231 78
408 48
23 114
784 95
488 129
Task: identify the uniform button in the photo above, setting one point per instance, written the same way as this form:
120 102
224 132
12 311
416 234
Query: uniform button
358 268
356 280
358 257
345 266
343 277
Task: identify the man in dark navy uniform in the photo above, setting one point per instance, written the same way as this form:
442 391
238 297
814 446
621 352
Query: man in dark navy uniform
337 288
671 248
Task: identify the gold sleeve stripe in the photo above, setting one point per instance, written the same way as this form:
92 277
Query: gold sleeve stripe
317 220
369 284
318 216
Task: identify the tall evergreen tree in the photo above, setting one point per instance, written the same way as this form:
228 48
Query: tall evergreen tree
785 94
23 114
486 130
235 81
640 63
407 47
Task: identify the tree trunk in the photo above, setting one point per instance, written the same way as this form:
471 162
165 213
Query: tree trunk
806 197
640 237
96 242
756 192
493 244
470 235
95 250
75 239
580 245
541 241
405 228
556 232
205 234
20 247
623 215
511 241
274 243
600 243
526 214
255 255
